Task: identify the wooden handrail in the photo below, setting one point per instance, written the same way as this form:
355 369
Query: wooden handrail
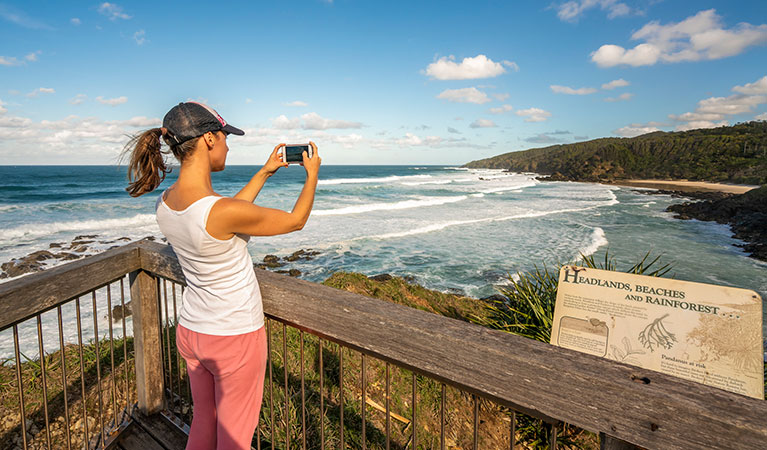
551 382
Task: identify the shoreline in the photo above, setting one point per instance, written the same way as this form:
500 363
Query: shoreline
686 186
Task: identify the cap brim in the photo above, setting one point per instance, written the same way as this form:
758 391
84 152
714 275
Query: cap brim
233 130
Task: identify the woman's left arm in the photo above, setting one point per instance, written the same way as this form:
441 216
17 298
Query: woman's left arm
251 190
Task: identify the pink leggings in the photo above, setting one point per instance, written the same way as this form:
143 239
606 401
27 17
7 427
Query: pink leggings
227 378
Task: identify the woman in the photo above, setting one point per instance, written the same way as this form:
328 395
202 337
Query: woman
220 332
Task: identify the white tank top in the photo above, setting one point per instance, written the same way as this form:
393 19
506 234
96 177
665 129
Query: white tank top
222 296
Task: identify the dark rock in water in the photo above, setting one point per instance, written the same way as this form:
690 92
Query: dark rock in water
16 268
79 243
272 261
68 256
118 312
746 214
381 277
150 238
79 248
84 236
556 176
699 195
302 254
40 255
56 245
124 239
291 272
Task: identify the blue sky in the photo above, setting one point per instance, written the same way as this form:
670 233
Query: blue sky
375 82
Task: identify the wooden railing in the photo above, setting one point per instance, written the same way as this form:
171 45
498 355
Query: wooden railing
621 403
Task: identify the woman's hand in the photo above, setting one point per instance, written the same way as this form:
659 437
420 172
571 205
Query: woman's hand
312 165
274 162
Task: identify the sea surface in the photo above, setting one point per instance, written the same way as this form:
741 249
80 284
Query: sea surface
451 229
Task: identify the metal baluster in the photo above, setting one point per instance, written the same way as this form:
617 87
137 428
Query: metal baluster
553 437
98 364
64 377
112 354
476 421
285 374
322 399
126 393
178 354
415 413
271 381
388 413
186 370
22 410
341 390
82 371
45 381
166 328
364 441
442 420
513 429
303 393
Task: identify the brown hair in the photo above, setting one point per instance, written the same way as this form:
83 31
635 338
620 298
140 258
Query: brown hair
147 166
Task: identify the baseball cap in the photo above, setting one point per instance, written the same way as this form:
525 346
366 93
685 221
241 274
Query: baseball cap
191 119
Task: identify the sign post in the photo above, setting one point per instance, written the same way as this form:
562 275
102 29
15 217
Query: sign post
704 333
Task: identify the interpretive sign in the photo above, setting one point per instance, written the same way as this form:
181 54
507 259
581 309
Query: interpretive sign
700 332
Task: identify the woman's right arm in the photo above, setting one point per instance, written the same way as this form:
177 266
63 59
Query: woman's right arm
229 215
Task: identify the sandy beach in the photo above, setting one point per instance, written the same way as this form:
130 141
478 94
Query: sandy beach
687 186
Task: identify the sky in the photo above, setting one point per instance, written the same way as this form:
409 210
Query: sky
414 82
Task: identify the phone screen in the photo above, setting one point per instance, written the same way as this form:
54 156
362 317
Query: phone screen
293 153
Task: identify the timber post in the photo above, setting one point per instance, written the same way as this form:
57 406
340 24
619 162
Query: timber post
145 307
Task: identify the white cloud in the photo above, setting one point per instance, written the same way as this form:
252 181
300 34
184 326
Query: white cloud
21 19
620 82
534 114
479 66
75 21
112 11
248 100
635 129
483 123
696 124
9 61
757 87
297 103
453 130
112 101
32 57
500 97
41 90
2 109
312 121
621 98
712 112
501 109
570 91
571 11
464 95
545 138
699 37
140 37
762 116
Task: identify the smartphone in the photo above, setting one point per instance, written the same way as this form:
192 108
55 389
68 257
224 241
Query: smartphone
292 154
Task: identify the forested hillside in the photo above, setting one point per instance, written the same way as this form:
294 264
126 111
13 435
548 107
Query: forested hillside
736 154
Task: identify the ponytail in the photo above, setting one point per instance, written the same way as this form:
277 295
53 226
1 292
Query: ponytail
146 168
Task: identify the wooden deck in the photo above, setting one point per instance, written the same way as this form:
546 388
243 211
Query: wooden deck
156 432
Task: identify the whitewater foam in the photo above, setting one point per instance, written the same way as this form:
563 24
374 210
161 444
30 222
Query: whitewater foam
36 230
388 179
405 204
598 239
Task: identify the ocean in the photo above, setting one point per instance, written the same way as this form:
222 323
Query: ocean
449 228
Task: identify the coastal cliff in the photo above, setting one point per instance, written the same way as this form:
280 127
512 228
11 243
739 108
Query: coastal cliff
734 154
